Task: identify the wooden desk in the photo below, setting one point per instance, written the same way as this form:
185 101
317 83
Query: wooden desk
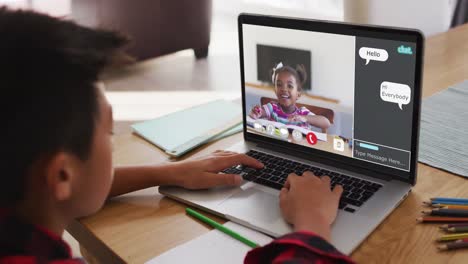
136 227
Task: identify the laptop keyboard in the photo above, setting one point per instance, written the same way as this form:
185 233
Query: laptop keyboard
355 191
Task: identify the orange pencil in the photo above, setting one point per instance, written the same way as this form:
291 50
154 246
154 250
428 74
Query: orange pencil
451 206
441 219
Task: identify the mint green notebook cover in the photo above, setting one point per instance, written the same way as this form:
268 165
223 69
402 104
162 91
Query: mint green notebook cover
179 132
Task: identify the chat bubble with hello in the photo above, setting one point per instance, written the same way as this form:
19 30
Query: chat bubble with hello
373 54
395 93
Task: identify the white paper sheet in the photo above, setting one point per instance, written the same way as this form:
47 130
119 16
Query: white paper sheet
213 247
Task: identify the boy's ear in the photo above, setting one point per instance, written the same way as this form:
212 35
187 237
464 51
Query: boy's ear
60 172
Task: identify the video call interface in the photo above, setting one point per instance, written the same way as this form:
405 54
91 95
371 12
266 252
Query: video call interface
343 94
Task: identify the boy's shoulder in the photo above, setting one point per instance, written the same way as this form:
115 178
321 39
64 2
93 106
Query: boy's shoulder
21 242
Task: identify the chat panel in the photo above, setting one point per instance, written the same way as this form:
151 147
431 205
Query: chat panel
384 95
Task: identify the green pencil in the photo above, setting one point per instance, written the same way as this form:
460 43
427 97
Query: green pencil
457 229
221 228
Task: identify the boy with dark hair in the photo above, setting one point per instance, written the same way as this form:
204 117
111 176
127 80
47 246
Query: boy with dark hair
57 162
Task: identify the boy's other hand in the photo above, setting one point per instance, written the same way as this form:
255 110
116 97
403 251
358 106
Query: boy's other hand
308 203
204 173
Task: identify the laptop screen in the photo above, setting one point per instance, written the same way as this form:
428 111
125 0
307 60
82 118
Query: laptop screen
344 94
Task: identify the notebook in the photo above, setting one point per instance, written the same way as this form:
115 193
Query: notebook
213 247
443 135
179 132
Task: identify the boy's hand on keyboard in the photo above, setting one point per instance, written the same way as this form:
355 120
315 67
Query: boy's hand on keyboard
308 203
203 173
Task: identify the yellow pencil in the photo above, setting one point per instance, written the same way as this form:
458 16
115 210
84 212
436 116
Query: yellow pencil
453 237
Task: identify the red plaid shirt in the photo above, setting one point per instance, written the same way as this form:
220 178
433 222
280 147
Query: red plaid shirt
298 248
25 243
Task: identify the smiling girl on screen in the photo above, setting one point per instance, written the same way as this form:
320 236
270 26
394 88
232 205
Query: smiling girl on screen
288 84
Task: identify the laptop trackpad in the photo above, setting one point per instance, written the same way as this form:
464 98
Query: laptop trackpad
254 205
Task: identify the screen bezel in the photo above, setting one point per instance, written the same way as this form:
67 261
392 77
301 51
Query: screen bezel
340 161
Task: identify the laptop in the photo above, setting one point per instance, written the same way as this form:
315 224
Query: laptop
355 94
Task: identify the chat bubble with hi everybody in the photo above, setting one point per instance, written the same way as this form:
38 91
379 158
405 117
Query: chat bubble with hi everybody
397 93
373 54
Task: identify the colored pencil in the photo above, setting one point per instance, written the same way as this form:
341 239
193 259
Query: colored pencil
432 203
453 225
457 229
453 245
221 228
462 240
441 219
446 212
450 206
453 237
446 199
437 205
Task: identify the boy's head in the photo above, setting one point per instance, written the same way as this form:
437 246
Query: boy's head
57 123
288 83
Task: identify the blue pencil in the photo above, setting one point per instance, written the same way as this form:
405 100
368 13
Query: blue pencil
445 200
448 202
